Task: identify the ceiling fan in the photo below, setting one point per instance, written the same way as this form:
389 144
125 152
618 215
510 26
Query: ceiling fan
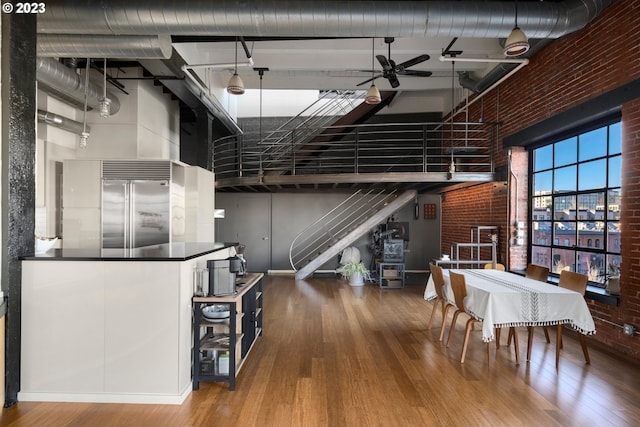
390 69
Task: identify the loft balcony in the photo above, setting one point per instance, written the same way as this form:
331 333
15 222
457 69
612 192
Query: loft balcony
426 157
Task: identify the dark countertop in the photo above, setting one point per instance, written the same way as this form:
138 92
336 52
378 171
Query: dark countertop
181 251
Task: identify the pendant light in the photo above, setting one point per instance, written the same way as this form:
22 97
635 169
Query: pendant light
260 71
235 85
452 164
105 103
84 136
517 42
373 94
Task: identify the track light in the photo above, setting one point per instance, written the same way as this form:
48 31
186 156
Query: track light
235 85
517 42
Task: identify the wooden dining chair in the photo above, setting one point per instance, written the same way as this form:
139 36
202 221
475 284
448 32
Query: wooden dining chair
459 287
537 272
441 300
576 282
540 273
498 266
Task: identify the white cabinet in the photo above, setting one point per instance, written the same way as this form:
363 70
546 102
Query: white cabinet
199 194
62 327
108 331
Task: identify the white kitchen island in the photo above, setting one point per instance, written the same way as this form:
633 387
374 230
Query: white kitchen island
110 325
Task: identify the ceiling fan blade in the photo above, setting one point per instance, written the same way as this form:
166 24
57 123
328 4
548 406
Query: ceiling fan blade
415 73
412 62
369 80
386 66
393 80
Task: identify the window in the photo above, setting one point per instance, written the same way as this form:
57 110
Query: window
575 200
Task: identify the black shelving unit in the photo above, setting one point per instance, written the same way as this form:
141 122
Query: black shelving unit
221 346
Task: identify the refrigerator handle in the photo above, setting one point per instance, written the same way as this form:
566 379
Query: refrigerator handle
127 223
131 211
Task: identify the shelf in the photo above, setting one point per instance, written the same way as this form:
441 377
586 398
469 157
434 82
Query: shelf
217 342
243 327
212 324
391 275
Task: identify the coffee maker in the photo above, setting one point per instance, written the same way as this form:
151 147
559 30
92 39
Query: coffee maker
222 281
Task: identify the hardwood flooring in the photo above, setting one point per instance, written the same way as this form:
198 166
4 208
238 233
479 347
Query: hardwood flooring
333 355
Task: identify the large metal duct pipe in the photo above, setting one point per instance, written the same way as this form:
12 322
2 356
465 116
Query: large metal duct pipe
62 82
62 122
104 46
294 18
496 73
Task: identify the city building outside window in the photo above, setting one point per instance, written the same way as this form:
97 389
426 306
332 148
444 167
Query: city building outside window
575 200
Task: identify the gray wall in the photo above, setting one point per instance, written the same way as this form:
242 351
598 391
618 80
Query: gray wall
293 212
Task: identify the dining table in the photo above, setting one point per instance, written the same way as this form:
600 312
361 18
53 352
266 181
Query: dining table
503 299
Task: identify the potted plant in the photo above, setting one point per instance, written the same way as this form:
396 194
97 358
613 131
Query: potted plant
613 279
356 272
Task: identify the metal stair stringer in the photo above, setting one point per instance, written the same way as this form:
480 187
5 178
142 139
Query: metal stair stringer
356 233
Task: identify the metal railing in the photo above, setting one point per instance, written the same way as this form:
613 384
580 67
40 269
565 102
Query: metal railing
335 224
329 107
375 148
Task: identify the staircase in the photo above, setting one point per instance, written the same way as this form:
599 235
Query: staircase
298 130
339 228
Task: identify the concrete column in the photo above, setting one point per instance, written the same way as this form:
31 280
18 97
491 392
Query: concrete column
17 175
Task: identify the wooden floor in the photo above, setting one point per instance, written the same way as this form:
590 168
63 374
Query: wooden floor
333 355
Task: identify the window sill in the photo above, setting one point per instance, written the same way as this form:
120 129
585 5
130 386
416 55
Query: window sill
593 292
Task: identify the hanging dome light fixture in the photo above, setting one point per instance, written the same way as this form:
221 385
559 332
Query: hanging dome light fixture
517 43
235 85
373 94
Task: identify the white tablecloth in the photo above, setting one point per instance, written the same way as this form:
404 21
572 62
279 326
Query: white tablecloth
502 299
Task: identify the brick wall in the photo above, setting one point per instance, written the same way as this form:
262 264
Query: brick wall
564 74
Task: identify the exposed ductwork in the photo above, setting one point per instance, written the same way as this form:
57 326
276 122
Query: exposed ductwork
104 46
496 73
85 24
293 18
62 82
62 122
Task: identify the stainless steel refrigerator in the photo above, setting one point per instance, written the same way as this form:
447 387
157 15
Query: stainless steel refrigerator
135 213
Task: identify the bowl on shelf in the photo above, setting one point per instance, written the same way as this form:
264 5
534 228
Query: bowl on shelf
216 311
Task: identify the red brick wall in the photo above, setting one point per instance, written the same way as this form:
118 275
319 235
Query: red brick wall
478 205
564 74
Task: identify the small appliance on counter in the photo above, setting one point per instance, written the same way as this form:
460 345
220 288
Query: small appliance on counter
222 281
236 266
239 263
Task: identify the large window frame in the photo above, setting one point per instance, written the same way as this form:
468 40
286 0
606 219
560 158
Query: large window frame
575 199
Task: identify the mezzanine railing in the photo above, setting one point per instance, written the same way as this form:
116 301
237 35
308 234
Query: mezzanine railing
359 149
